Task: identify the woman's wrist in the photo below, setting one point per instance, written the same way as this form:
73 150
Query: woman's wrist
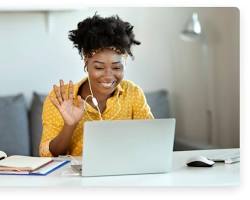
60 144
69 126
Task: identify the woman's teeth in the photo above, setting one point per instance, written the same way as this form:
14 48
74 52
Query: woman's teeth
107 85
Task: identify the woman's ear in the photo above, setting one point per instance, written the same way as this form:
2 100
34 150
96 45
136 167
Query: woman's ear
85 68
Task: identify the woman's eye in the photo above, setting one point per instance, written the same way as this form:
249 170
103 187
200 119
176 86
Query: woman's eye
117 67
99 67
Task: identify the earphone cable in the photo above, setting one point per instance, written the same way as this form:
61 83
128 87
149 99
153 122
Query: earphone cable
85 108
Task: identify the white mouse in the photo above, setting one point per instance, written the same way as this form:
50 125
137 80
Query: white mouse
200 161
2 155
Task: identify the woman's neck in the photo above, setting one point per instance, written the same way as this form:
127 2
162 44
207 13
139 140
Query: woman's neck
84 91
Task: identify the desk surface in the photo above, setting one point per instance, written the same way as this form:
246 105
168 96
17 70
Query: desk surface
219 175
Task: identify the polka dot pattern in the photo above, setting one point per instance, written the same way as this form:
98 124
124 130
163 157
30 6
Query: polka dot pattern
128 102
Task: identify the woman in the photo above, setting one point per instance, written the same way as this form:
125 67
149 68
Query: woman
104 43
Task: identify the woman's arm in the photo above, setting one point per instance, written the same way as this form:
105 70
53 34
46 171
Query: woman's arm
61 114
60 144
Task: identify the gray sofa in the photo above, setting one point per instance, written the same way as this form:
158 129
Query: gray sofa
20 127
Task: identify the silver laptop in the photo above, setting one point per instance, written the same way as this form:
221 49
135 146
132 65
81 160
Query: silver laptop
124 147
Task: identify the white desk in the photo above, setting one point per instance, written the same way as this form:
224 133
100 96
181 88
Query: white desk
219 175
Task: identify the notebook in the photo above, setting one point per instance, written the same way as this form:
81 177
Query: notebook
23 163
27 165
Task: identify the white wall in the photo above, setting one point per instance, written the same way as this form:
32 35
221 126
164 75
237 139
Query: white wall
33 58
221 27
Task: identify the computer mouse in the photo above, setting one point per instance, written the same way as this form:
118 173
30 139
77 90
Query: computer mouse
200 161
2 155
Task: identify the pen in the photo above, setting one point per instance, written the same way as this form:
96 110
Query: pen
232 160
62 157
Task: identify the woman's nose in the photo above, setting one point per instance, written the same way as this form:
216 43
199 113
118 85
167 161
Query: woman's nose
108 71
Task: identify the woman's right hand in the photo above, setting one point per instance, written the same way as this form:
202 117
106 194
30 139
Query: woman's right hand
71 113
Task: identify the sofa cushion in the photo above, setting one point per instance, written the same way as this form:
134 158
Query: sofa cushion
158 102
14 133
35 119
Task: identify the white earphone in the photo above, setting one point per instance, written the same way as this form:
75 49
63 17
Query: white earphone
94 100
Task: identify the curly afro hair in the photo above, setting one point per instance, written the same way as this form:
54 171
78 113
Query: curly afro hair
97 32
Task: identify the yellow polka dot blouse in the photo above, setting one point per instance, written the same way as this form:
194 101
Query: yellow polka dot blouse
128 102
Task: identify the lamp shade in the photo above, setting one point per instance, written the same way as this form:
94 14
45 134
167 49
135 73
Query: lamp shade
192 29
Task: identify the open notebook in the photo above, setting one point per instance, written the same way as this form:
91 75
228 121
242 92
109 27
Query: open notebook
18 164
23 163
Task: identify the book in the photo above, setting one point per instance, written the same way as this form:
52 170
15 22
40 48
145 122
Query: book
27 165
42 171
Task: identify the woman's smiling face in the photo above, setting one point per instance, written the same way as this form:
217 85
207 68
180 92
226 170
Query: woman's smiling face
106 71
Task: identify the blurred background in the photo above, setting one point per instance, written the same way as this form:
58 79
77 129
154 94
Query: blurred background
192 53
